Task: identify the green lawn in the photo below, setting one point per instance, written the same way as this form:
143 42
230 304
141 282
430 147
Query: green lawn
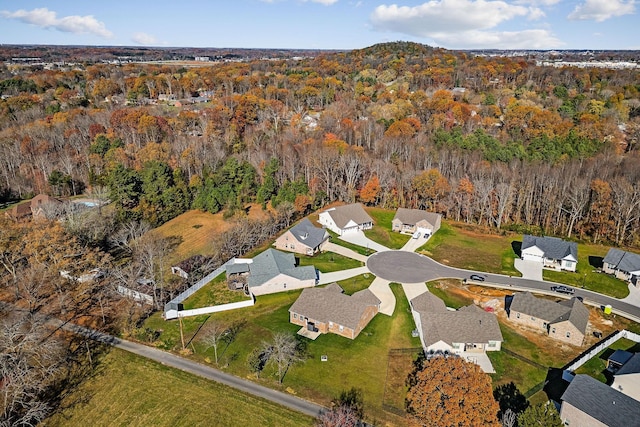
586 275
361 362
457 245
129 390
381 231
215 292
595 366
327 262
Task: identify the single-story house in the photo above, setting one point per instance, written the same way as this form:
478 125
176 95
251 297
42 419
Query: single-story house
552 252
589 402
346 219
469 329
41 206
566 320
412 220
303 238
624 265
329 310
274 271
627 378
143 292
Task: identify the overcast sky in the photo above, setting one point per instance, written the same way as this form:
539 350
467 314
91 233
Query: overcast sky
324 24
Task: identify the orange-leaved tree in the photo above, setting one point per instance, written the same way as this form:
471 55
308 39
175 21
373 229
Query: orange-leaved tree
449 391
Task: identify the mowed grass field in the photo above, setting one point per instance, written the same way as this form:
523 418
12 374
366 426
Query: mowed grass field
128 390
465 246
358 363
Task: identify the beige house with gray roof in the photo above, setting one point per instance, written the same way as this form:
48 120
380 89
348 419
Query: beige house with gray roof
329 310
346 219
412 220
469 329
566 320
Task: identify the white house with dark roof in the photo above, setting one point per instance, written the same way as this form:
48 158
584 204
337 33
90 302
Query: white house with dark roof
624 265
273 271
303 238
588 402
412 220
566 320
551 252
469 330
329 310
627 378
346 219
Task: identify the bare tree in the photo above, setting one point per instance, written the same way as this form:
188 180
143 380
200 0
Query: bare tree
284 353
341 416
212 335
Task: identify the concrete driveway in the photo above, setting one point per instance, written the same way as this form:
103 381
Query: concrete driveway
412 290
380 288
413 244
332 247
530 269
336 276
358 238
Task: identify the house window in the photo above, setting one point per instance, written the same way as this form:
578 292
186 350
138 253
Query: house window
295 315
533 318
331 324
544 325
492 344
518 315
568 334
553 330
341 328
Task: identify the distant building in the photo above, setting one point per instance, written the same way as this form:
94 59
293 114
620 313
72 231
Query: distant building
416 220
622 264
346 219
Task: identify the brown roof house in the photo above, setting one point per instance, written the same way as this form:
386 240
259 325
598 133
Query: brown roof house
469 329
303 238
346 219
41 206
566 320
329 310
416 220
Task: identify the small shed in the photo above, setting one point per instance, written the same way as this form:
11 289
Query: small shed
617 359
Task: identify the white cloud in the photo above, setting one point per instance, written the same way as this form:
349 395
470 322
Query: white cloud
45 18
538 2
601 10
527 39
144 39
443 22
444 16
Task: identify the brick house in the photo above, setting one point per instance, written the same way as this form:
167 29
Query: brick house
329 310
566 320
303 238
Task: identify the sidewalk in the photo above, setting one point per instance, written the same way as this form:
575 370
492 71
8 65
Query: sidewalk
383 292
332 247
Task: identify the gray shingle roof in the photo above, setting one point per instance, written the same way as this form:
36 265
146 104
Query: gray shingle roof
622 260
341 215
469 324
602 402
305 232
552 312
329 304
553 247
271 263
413 216
632 366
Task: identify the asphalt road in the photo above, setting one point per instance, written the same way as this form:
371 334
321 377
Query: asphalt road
168 359
408 267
